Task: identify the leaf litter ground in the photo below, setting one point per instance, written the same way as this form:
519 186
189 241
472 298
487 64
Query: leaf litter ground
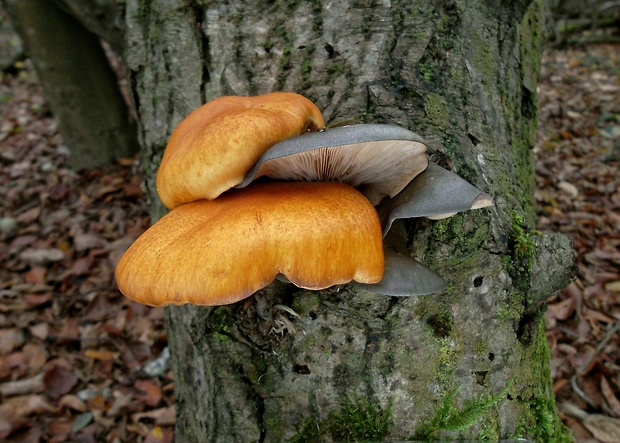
79 362
578 193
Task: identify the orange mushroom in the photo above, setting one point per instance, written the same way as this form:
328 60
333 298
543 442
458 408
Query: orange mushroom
213 148
216 252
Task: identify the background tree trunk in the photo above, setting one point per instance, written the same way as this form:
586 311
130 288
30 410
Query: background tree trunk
471 362
79 83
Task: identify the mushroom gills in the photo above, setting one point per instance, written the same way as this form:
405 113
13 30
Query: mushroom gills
379 160
436 193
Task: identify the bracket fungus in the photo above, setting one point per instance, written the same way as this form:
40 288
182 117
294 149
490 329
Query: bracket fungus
216 252
379 160
220 245
436 193
212 149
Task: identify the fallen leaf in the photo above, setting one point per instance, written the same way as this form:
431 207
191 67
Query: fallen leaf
562 310
72 402
60 428
40 330
32 385
613 286
11 363
148 392
164 414
82 265
31 435
38 299
610 397
159 435
81 421
29 216
42 256
36 356
14 410
36 275
84 242
58 381
101 354
569 188
10 339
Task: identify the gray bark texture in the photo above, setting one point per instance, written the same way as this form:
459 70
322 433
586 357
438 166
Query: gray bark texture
80 85
471 362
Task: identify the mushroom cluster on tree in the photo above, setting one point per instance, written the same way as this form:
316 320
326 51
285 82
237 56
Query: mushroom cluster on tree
322 223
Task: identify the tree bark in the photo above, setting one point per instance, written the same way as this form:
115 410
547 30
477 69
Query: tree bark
471 362
79 83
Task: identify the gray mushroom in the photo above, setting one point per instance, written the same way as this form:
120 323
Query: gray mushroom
405 277
379 160
436 193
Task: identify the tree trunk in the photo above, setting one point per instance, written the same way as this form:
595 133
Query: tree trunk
79 83
471 362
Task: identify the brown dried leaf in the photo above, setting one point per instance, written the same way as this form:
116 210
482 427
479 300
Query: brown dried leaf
29 216
40 330
58 381
72 402
613 286
11 363
36 356
162 416
42 256
159 435
149 392
36 275
84 242
610 397
81 266
10 339
101 354
605 429
14 410
37 299
562 310
32 385
31 435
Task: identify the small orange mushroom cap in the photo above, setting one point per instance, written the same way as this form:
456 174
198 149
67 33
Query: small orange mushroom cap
213 148
216 252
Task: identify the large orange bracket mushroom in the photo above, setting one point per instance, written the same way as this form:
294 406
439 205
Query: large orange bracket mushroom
216 252
316 235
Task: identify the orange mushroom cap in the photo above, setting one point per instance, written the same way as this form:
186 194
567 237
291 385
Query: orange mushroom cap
213 148
216 252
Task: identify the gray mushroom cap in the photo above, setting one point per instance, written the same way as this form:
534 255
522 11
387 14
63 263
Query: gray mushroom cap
436 193
379 160
405 277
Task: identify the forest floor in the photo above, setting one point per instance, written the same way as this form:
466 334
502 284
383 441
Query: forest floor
578 193
79 362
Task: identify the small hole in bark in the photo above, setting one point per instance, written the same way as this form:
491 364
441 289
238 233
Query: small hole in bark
330 50
491 356
301 369
481 377
474 140
312 315
478 281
